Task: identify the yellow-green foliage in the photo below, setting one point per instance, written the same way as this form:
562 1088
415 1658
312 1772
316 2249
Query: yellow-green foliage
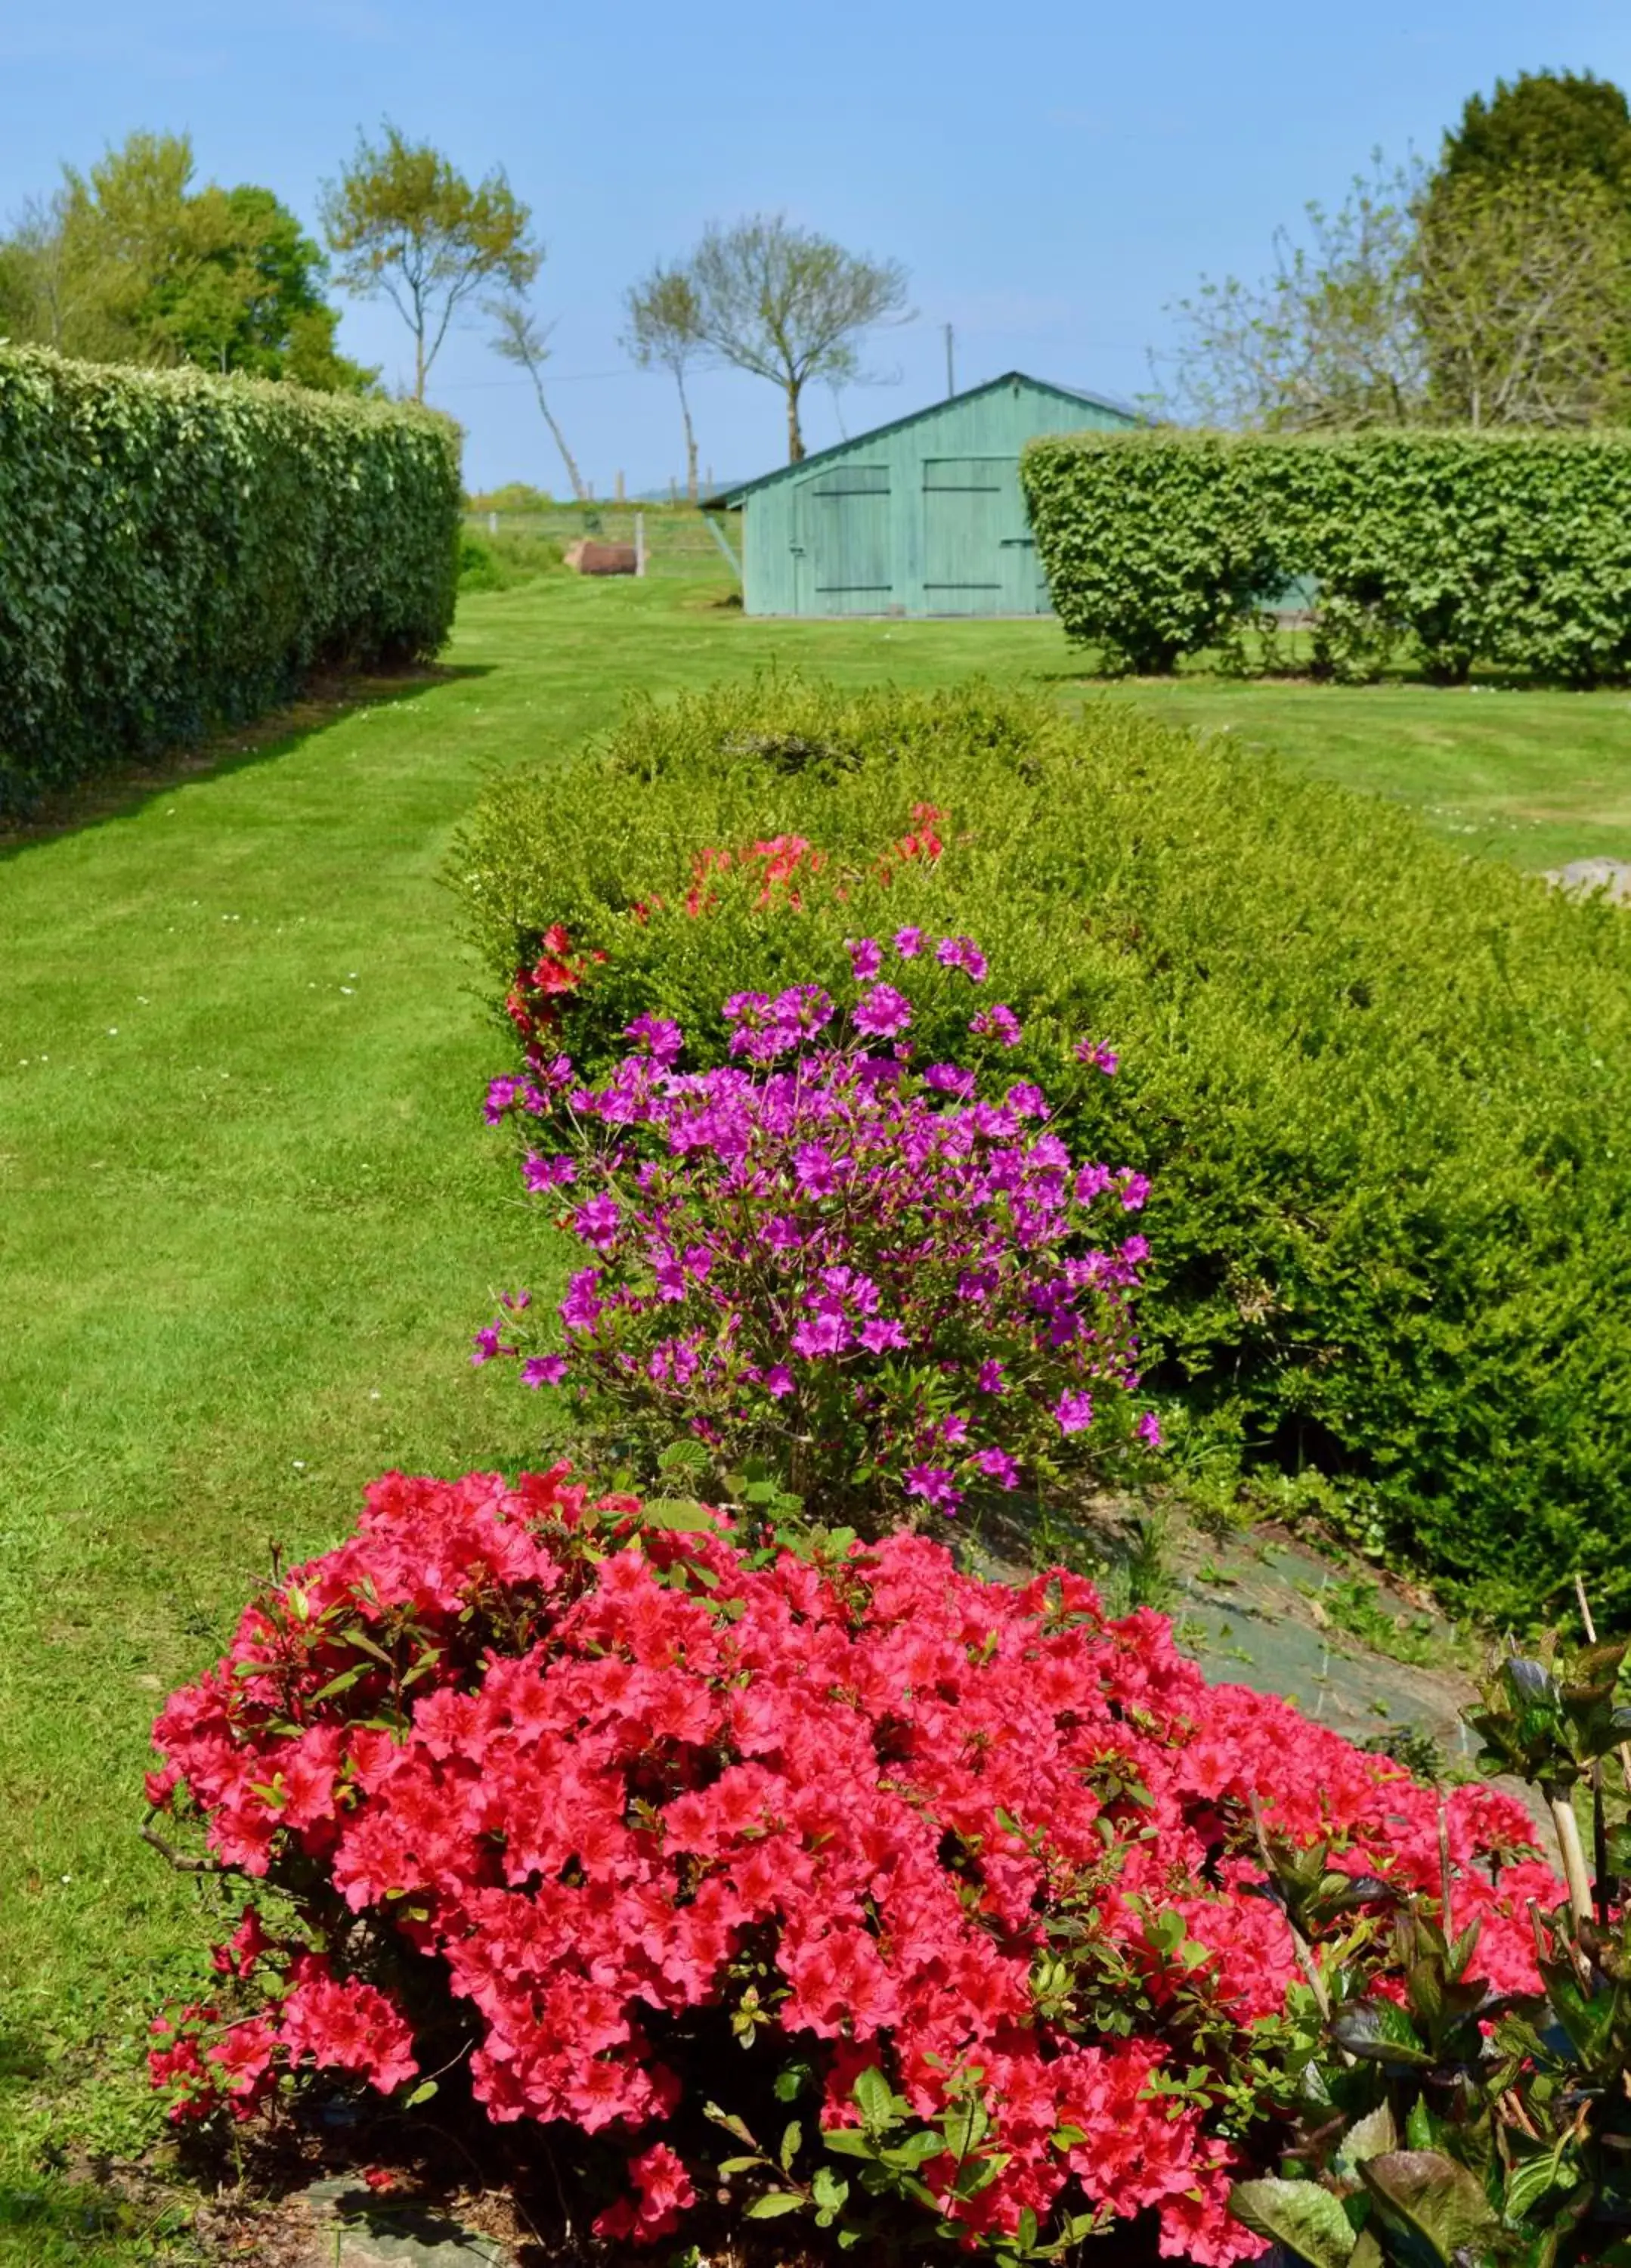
177 548
1455 547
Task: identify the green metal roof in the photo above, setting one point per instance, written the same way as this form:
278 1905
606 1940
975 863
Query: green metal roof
727 499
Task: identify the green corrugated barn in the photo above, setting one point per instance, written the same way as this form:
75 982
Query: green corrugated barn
924 516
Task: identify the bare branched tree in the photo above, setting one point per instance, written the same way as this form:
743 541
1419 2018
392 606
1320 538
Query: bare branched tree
665 332
1523 295
1329 339
520 338
790 306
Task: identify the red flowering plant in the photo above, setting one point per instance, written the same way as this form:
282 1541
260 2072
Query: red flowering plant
845 1883
828 1261
565 992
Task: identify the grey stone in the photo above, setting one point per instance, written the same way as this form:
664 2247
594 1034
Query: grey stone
374 2229
1587 877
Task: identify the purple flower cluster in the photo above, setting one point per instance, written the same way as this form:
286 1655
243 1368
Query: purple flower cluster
888 1284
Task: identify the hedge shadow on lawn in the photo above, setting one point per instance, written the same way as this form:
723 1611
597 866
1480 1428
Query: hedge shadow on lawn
326 701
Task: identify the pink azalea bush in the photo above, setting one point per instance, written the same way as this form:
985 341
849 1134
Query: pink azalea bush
887 1278
642 1835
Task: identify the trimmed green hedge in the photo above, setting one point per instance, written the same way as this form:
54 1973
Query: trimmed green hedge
177 548
1380 1088
1510 549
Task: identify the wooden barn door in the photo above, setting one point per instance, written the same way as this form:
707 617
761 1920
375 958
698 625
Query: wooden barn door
842 542
978 557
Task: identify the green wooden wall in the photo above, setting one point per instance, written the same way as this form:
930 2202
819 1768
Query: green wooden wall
924 517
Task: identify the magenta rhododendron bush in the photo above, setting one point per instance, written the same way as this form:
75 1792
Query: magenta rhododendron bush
644 1832
884 1276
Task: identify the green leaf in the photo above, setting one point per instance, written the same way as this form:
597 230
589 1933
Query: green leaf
790 2141
1378 2031
732 2124
774 2203
682 1515
1305 2218
423 2092
1423 2194
1369 2137
849 2141
976 2174
340 1684
1528 2182
965 2126
875 2097
828 2190
915 2149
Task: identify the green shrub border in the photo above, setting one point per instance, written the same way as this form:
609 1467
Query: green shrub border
1379 1085
1512 549
177 550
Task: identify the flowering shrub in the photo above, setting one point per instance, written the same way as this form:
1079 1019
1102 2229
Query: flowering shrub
823 1256
652 1837
533 1002
549 995
1391 1211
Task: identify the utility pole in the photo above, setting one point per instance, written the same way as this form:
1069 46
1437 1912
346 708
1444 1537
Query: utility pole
950 375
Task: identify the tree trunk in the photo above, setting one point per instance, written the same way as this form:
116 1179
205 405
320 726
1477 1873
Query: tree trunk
419 363
579 492
795 438
685 411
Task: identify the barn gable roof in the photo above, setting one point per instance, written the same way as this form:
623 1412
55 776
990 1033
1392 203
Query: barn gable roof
727 499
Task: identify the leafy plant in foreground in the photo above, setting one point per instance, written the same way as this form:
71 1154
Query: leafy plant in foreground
607 1821
1453 2116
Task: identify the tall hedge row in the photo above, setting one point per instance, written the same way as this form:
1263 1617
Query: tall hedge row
177 548
1380 1088
1446 547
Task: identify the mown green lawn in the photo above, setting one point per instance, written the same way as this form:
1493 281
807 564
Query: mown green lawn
1536 778
249 1213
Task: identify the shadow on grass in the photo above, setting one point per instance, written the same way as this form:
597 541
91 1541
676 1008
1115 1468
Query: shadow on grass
21 2057
128 787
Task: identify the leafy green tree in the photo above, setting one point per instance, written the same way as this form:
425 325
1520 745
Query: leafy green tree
1329 339
131 262
665 332
39 292
403 222
1551 122
790 306
1497 295
1523 256
1523 293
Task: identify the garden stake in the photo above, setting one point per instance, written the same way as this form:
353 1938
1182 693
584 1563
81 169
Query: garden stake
1589 1628
1571 1851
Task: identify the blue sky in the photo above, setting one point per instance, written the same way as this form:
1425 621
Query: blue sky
1053 176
